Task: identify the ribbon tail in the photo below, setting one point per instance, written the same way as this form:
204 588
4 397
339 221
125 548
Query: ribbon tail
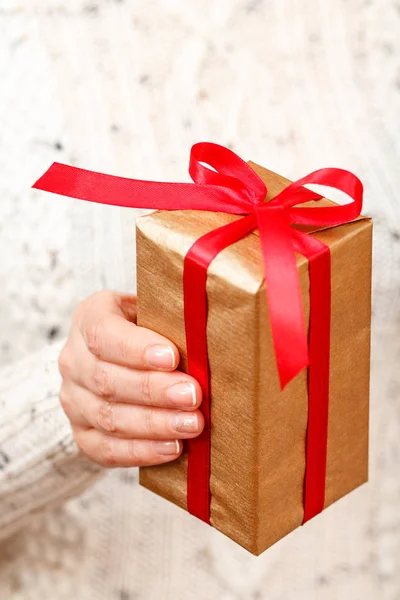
283 292
137 193
318 255
196 263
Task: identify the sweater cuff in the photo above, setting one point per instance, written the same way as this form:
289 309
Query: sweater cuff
40 464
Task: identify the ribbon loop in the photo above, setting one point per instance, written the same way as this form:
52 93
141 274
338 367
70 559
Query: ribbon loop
339 179
230 171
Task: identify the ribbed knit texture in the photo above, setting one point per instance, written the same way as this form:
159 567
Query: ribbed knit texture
126 88
39 462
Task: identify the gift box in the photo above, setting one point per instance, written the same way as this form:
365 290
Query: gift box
265 288
258 431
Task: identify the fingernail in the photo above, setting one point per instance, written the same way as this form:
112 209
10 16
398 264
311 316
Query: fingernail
185 422
167 447
183 394
161 357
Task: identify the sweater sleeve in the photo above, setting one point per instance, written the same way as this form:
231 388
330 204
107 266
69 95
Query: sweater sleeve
40 465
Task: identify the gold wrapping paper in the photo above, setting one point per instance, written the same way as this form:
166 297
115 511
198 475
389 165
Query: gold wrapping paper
258 432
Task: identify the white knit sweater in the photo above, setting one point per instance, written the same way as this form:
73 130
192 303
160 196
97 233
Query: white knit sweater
294 85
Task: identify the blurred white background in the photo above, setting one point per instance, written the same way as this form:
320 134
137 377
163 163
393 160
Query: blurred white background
126 88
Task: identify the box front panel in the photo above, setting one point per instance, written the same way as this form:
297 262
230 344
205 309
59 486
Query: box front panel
347 460
233 348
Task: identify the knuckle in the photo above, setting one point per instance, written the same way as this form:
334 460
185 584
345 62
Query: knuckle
103 380
102 453
134 454
78 440
149 422
90 305
66 403
81 307
65 400
93 336
103 295
65 363
107 452
106 419
93 299
125 349
81 441
145 387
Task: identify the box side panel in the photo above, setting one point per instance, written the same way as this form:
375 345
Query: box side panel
283 415
347 461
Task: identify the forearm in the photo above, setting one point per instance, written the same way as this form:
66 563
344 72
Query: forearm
40 465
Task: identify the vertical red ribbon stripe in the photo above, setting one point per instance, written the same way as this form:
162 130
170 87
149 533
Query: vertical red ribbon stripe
224 182
196 263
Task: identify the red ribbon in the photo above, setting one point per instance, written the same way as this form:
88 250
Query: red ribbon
232 186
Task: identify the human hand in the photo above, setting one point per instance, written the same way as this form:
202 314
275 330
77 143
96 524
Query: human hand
127 404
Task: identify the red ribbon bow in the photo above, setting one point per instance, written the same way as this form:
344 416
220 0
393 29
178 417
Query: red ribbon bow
233 187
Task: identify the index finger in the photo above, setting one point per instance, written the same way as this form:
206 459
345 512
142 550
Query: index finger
112 338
